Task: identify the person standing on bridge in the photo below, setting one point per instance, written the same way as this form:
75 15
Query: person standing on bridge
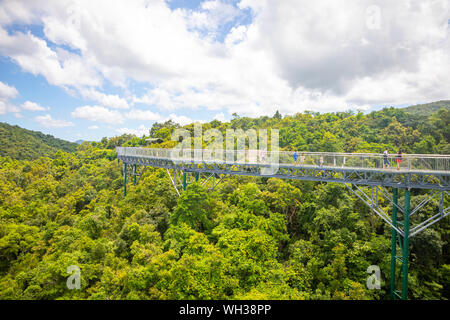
302 158
386 163
399 158
321 160
263 155
295 155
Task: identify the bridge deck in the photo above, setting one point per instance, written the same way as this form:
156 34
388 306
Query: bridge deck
406 177
294 166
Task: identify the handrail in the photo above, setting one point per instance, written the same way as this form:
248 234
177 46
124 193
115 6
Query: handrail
305 152
427 162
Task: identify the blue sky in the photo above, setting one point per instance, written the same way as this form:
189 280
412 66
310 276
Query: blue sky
85 70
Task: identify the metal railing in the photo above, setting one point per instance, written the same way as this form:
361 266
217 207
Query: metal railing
417 162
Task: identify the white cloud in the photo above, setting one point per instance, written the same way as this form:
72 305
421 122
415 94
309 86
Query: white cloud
144 115
33 106
294 55
211 16
143 130
48 122
331 50
236 35
107 100
3 107
93 127
16 11
59 67
220 117
97 113
182 120
7 92
139 132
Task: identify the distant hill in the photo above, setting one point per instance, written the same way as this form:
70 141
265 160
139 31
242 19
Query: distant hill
428 108
19 143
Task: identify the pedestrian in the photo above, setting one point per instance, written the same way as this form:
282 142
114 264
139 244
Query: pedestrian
321 160
263 155
295 155
302 158
399 158
386 163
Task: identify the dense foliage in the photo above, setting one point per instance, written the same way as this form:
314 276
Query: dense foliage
19 143
250 238
426 109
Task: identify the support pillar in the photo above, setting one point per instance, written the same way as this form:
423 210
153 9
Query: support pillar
134 172
184 180
405 248
124 179
403 241
197 176
394 243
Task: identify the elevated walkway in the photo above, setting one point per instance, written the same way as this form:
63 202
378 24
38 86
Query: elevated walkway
415 171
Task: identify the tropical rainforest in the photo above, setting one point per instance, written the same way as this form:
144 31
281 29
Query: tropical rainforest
249 238
19 143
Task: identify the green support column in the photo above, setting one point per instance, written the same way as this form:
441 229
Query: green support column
124 179
197 176
134 169
184 181
394 243
405 246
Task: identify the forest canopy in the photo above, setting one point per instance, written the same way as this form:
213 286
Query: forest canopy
19 143
250 238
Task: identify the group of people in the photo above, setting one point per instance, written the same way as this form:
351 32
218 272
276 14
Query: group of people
386 162
302 159
398 158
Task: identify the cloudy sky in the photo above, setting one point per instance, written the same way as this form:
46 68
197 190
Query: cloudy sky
88 69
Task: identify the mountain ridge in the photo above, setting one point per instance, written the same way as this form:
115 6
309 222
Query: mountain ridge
427 109
21 143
